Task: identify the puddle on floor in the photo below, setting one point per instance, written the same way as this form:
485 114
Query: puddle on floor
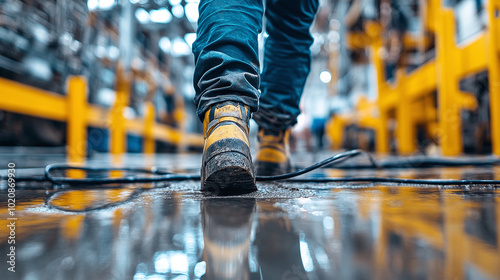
173 231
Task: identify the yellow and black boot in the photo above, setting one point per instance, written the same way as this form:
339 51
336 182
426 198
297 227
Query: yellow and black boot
273 155
227 166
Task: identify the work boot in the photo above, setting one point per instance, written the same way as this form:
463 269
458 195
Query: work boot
273 155
227 166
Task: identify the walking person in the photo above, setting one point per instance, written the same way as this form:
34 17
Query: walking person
227 80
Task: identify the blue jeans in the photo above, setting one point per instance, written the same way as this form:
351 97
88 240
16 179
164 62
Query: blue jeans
227 64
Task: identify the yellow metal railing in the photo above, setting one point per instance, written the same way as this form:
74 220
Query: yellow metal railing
409 99
78 114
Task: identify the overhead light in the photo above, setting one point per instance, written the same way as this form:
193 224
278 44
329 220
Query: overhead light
75 45
161 15
66 39
92 4
200 269
162 263
142 15
191 11
100 51
325 77
178 11
190 38
333 36
175 2
113 52
106 4
180 48
165 44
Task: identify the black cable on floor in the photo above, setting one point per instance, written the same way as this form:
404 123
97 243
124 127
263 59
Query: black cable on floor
424 162
338 158
177 177
162 176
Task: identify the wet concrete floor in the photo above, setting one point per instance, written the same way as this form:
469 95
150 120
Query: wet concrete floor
284 231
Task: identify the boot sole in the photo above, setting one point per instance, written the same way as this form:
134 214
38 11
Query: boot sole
228 170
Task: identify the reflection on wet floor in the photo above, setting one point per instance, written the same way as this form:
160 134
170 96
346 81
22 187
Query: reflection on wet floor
371 232
329 231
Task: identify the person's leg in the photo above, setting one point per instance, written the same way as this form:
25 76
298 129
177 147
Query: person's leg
226 53
226 81
287 61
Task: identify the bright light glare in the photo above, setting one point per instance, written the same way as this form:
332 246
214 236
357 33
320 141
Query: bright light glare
106 4
140 276
161 15
325 77
165 44
178 11
179 262
142 15
200 269
100 51
191 10
134 1
190 38
328 223
113 52
306 257
174 2
162 263
175 262
180 48
92 4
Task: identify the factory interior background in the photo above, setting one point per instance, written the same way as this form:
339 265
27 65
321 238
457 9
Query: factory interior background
102 83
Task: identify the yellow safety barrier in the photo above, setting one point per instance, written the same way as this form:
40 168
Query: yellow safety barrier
409 99
493 54
78 114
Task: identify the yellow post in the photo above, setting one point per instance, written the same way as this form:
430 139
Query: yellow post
382 132
149 120
405 130
77 122
494 71
382 136
450 127
335 128
117 130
